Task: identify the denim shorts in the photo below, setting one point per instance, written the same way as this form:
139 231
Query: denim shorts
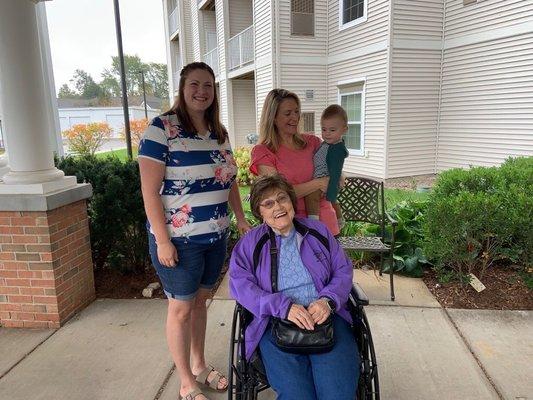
198 266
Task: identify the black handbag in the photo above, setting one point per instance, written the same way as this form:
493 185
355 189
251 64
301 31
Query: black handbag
287 335
293 339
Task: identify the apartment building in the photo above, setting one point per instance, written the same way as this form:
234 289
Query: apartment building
427 84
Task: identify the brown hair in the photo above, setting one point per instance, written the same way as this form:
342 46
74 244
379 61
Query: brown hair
266 184
212 114
268 133
335 110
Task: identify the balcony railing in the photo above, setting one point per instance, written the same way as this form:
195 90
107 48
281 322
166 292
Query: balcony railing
241 48
173 21
211 59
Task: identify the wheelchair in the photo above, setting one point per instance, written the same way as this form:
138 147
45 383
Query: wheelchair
247 379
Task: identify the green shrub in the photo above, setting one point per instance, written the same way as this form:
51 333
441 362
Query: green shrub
116 212
479 216
242 157
409 257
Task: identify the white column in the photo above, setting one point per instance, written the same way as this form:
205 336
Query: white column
24 99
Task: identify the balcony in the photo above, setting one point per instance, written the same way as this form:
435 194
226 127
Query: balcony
241 48
211 59
173 22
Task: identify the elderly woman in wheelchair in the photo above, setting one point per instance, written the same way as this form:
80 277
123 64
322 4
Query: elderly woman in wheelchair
293 278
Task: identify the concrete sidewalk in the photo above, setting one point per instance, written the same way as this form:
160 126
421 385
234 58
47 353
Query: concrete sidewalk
116 349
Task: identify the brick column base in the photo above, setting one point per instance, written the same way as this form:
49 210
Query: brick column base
46 270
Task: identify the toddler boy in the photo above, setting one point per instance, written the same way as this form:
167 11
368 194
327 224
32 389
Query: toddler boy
329 160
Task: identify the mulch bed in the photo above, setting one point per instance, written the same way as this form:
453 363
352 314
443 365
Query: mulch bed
505 290
114 285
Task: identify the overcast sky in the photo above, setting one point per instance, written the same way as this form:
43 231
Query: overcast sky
82 34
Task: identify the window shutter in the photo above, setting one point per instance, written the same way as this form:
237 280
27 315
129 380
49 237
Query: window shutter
303 17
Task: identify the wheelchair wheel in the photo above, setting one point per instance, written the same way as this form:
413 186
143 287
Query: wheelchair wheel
240 385
236 370
368 388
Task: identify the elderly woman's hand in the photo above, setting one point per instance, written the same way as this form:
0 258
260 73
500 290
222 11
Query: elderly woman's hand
319 310
301 317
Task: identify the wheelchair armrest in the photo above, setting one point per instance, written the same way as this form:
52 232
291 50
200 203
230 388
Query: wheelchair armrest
358 295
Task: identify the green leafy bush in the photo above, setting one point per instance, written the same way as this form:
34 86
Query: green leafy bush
242 157
409 257
478 216
116 212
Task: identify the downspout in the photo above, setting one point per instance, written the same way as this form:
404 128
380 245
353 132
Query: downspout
327 53
440 89
276 62
390 49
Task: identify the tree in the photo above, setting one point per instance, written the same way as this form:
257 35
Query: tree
85 139
66 93
157 77
85 85
137 128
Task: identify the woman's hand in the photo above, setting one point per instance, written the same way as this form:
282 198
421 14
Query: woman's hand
319 311
167 254
301 317
243 226
322 183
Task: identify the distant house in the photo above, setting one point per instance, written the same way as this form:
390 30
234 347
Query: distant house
83 111
427 85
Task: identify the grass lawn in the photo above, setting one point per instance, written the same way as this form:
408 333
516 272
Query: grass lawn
392 196
121 154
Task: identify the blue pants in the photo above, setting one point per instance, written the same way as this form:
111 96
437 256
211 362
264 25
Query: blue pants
332 375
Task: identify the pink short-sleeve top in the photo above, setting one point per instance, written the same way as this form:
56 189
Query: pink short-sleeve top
297 167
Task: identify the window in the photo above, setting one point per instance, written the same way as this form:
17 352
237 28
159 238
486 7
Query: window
351 98
308 119
303 17
351 12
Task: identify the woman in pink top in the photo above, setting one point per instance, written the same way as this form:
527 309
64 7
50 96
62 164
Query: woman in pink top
283 149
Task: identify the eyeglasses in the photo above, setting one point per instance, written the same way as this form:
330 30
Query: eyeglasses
269 203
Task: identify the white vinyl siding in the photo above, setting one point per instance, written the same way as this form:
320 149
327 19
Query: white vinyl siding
485 15
351 98
373 31
487 103
413 112
372 69
352 12
240 16
263 85
195 30
263 29
244 114
299 79
418 19
186 35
